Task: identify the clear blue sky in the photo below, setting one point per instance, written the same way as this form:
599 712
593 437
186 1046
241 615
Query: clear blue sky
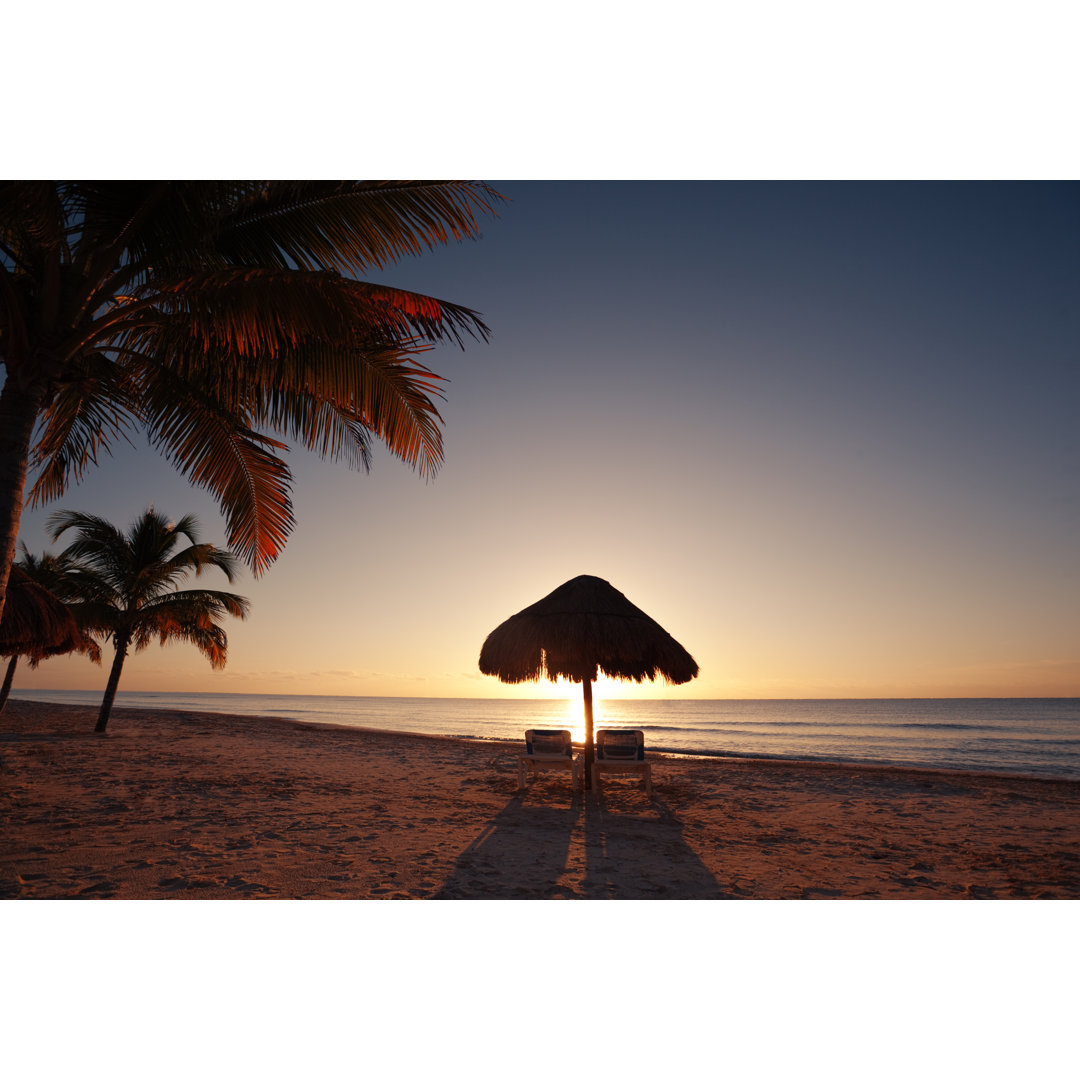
826 434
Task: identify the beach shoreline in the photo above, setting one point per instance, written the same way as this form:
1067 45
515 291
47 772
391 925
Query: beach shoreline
186 805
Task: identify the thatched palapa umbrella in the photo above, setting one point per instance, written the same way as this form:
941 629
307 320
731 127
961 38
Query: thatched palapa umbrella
582 629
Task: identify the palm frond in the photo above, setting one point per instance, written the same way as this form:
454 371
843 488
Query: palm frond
207 603
333 401
100 547
393 402
265 313
410 313
198 557
210 640
90 410
350 226
218 452
189 616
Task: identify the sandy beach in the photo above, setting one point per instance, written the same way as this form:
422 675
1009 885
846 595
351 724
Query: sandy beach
178 805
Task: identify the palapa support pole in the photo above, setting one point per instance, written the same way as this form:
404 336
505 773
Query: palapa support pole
586 689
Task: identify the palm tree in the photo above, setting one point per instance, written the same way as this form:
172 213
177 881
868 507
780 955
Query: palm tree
50 585
128 585
210 314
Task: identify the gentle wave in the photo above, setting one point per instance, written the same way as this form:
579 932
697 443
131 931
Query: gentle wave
772 725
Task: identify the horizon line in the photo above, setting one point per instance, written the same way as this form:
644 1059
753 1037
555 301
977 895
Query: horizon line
493 697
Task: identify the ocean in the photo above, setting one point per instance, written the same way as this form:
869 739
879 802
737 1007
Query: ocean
1032 736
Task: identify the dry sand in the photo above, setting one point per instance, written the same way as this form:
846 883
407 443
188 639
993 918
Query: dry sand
187 806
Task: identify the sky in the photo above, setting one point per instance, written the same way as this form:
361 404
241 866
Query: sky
824 433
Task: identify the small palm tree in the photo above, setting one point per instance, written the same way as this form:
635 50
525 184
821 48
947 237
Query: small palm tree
53 573
127 584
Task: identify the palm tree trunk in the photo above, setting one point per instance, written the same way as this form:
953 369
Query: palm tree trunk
18 413
121 642
8 678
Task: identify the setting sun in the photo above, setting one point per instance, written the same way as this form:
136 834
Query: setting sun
604 689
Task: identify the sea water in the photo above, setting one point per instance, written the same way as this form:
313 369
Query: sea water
1034 736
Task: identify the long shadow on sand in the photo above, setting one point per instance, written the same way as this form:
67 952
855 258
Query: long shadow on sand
625 847
635 850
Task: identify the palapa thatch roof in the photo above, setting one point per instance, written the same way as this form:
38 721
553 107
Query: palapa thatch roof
583 628
35 623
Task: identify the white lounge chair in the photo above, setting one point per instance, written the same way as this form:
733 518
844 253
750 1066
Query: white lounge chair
548 749
621 750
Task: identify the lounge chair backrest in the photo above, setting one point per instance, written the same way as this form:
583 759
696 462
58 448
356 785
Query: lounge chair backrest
620 744
548 742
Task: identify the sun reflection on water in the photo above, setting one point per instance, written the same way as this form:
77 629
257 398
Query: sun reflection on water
572 713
